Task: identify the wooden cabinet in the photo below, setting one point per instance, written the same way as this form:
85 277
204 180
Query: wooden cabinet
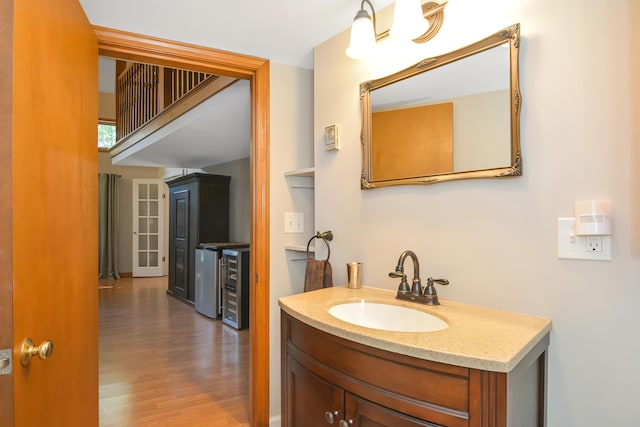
313 398
318 403
362 386
361 412
198 213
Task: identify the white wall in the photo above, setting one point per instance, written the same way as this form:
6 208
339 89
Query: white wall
482 131
290 148
106 106
495 240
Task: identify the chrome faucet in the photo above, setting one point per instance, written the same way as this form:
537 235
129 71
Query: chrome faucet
427 296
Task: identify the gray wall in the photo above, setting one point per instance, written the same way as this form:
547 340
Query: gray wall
125 228
495 240
240 197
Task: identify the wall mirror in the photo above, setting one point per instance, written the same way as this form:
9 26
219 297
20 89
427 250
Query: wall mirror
454 116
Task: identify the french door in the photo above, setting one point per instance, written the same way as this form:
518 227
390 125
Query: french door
148 227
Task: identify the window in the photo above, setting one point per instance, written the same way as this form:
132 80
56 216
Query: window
106 135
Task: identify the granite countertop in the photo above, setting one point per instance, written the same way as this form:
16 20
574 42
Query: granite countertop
477 337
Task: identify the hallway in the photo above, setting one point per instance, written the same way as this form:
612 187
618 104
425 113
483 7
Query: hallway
163 364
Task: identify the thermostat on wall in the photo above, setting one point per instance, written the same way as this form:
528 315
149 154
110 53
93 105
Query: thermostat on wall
331 141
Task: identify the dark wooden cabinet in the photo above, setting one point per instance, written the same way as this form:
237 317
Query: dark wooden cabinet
362 413
198 213
314 399
327 378
318 403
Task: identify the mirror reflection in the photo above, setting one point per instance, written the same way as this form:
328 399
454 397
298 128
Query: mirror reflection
450 117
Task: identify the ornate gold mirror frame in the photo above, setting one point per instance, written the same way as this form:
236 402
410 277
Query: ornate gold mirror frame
509 36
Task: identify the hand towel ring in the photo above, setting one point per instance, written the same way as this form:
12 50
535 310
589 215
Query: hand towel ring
326 237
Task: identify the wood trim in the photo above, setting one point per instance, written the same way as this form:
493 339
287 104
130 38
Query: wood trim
542 389
134 47
487 398
152 50
259 316
6 202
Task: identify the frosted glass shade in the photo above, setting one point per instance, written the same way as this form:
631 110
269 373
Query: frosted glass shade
408 20
363 39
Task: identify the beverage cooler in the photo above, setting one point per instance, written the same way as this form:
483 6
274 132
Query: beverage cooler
208 277
235 290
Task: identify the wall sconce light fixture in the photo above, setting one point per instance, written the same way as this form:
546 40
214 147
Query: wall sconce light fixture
411 20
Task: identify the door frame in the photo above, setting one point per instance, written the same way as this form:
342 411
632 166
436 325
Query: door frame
135 47
6 202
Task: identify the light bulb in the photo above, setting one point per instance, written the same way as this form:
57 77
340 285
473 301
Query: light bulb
363 39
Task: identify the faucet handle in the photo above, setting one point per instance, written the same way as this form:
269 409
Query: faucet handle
430 291
404 285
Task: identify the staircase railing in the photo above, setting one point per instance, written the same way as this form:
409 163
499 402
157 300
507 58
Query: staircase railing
144 91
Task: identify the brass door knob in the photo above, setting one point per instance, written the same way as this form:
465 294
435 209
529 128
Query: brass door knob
43 351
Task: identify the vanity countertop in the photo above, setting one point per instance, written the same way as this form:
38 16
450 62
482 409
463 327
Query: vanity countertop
477 337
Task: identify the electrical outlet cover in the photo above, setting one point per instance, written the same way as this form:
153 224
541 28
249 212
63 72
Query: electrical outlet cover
571 246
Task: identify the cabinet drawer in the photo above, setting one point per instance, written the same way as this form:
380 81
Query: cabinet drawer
420 388
367 414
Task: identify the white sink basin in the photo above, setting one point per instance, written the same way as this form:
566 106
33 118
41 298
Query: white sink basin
387 317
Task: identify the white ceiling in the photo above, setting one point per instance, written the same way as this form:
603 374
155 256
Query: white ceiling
283 31
216 131
486 71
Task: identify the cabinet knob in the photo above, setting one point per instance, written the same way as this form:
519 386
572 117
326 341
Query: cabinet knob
330 417
344 423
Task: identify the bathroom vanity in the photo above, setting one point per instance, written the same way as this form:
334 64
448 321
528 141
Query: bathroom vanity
488 368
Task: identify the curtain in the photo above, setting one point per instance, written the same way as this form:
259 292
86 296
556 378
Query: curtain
108 195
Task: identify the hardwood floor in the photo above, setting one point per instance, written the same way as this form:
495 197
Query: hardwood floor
163 364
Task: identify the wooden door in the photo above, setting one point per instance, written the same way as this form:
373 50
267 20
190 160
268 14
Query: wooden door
148 227
48 214
179 242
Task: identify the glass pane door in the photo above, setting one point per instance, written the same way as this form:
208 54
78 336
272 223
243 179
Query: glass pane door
148 216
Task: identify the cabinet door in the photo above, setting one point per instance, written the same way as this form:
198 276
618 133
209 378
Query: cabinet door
179 242
362 413
311 401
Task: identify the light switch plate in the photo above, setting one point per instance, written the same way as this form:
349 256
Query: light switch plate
293 222
570 246
331 138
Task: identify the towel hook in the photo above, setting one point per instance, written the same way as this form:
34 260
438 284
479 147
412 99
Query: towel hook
326 237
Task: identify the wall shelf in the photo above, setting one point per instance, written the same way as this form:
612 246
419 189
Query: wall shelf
301 178
299 249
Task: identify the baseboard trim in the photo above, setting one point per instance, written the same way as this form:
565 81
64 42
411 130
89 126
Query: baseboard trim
275 421
126 275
